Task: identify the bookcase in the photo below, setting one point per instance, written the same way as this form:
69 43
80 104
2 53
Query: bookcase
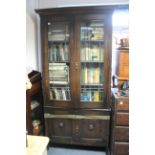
76 44
34 105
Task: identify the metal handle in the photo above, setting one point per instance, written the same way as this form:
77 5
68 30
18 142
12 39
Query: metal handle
61 124
91 127
77 129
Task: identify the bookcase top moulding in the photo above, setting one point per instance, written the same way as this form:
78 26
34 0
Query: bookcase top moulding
81 9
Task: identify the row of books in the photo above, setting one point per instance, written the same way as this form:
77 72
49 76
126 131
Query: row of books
92 75
58 73
60 94
59 52
96 23
92 53
58 32
91 33
58 37
95 96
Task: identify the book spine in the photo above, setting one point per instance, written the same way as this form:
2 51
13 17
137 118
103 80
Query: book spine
96 75
66 48
85 75
87 53
101 54
83 58
90 75
61 51
96 96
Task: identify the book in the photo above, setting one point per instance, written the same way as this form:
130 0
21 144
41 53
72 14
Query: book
50 54
95 53
96 96
57 95
54 53
61 52
87 53
83 58
101 75
51 95
66 51
89 96
64 94
101 51
85 75
59 82
67 93
90 75
96 75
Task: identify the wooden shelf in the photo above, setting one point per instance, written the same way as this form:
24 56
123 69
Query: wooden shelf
35 93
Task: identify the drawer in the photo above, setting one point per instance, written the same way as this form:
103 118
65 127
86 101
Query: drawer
121 148
122 134
122 119
122 105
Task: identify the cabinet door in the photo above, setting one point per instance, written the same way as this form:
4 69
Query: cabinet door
59 130
94 132
58 58
94 54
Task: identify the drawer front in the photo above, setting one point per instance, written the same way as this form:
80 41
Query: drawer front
121 148
122 134
59 130
122 119
122 105
91 132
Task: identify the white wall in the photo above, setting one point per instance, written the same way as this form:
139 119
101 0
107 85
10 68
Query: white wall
31 36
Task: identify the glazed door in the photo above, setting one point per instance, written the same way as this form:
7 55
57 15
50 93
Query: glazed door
94 61
58 58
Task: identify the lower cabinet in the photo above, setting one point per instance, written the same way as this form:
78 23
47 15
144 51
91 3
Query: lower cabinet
78 129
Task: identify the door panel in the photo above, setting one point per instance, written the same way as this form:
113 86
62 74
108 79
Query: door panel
60 130
93 61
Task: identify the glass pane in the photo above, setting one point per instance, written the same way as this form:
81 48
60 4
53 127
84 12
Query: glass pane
59 61
92 61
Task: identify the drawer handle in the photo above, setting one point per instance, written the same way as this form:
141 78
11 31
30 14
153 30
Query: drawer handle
91 127
61 124
77 129
121 102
